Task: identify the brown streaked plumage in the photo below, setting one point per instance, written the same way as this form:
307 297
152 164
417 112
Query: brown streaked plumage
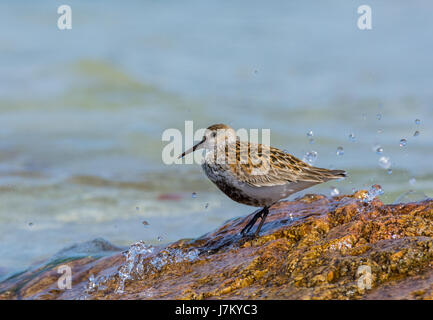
283 168
255 174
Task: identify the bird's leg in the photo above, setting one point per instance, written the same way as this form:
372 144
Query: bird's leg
250 224
263 216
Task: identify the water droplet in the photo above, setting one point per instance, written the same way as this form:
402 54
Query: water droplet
334 191
412 181
385 162
379 150
389 171
352 137
159 238
310 157
137 208
379 131
30 224
311 141
378 116
403 143
417 121
340 151
416 134
310 133
194 195
206 205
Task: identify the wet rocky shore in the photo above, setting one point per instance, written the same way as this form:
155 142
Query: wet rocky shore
315 247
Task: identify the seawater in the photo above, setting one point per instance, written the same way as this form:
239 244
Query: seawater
82 111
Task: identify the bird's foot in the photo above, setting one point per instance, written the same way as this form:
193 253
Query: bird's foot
262 213
251 223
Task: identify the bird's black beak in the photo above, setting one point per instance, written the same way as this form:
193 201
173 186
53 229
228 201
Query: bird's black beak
197 146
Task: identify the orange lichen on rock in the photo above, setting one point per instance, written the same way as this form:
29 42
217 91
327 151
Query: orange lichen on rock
311 248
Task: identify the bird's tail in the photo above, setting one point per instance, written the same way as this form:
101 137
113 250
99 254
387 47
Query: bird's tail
320 175
338 173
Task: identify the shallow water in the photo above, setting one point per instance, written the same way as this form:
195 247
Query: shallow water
82 111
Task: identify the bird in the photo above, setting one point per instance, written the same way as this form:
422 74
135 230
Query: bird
255 174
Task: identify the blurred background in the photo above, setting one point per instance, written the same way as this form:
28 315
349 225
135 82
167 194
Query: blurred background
82 111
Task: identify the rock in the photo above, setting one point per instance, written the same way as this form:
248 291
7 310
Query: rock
311 248
96 247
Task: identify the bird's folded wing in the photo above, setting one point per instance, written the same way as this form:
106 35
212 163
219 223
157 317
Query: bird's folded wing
277 167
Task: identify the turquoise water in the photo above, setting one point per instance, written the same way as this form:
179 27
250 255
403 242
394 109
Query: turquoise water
82 111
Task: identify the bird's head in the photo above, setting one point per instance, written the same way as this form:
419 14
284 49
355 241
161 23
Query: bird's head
215 136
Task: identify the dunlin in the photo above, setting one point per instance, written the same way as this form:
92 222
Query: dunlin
255 174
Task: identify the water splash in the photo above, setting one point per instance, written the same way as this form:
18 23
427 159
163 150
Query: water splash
340 151
133 263
403 142
94 284
310 133
170 255
142 258
194 195
352 137
374 192
417 121
416 133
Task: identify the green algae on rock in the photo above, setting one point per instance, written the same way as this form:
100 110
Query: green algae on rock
312 248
